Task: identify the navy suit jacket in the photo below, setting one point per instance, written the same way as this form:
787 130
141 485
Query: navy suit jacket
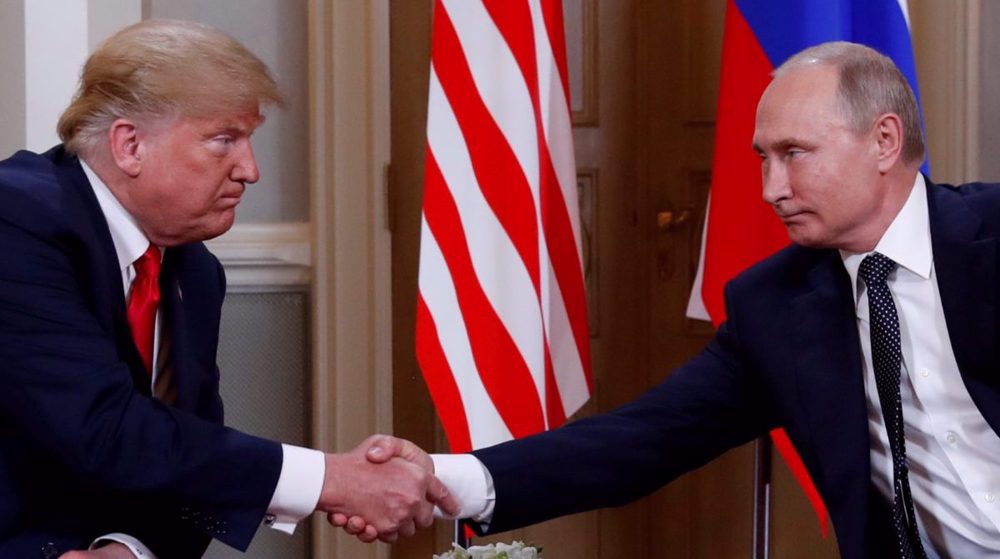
84 449
788 356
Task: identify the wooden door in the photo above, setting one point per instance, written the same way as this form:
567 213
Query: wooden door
643 147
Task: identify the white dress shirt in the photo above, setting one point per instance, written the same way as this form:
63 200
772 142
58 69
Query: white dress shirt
302 469
953 454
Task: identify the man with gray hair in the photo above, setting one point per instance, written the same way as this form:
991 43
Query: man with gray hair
111 433
872 340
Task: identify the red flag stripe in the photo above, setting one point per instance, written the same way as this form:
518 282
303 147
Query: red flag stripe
499 166
501 366
443 388
568 271
572 375
514 20
498 171
437 289
496 262
552 13
555 414
559 188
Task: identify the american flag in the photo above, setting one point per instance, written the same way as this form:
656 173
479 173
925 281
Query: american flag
502 336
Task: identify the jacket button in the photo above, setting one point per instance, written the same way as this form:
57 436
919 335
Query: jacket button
50 551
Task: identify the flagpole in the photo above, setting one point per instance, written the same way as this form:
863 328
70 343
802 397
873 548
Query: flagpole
461 535
762 498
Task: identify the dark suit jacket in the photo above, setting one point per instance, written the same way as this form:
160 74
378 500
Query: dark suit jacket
84 449
788 356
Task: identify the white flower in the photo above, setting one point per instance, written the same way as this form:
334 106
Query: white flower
514 550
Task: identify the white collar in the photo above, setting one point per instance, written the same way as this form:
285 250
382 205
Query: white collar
907 241
129 240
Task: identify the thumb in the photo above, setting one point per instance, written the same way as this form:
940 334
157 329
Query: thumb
438 494
381 448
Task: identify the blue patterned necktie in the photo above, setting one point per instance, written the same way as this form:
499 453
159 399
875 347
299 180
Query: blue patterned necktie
887 359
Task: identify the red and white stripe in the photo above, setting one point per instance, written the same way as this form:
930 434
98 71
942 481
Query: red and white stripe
502 335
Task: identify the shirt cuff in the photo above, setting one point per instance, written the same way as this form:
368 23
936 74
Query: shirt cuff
470 482
298 490
133 545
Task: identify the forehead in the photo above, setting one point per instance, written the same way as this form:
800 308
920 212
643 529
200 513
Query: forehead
800 101
243 121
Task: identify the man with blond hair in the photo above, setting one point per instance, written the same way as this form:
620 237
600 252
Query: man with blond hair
872 340
111 434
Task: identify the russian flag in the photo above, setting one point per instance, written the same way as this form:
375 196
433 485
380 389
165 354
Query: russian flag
740 228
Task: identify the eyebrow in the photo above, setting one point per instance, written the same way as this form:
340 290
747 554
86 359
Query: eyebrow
231 126
781 144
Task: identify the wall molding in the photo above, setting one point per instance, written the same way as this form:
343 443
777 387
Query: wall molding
946 40
266 256
351 289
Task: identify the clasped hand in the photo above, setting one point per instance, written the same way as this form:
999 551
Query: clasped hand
385 488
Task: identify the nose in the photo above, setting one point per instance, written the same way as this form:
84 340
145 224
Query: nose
774 176
246 170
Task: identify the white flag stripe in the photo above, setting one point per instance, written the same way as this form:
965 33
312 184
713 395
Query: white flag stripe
571 379
556 122
529 313
696 305
570 376
496 262
906 12
500 83
486 427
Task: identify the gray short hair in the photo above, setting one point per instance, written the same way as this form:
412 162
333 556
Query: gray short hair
161 69
870 85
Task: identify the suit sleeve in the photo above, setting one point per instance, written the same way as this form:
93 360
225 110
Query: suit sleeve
705 407
64 388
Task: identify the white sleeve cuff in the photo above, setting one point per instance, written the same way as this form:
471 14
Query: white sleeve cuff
133 545
299 486
469 481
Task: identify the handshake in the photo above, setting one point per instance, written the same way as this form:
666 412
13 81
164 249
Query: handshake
383 489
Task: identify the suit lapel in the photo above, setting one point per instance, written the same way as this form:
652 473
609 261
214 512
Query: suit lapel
104 282
966 275
186 383
828 365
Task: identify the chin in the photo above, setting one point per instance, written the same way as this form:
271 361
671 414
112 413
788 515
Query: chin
223 224
807 239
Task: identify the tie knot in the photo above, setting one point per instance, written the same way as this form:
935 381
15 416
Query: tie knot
875 268
148 265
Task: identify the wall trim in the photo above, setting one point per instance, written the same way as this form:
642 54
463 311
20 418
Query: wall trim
948 68
352 317
266 256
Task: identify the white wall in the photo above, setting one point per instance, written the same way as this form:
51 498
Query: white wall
12 69
43 45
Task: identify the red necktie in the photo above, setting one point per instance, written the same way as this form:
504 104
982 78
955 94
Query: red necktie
142 302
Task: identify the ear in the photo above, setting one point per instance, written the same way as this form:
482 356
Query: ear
123 136
888 131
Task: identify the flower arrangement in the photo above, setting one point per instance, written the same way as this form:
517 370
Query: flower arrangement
514 550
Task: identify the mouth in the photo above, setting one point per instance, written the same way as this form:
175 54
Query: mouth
233 195
788 216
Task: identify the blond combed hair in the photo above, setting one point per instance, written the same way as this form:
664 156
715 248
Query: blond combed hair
159 69
870 85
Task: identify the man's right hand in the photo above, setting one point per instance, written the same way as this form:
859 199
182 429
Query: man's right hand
383 493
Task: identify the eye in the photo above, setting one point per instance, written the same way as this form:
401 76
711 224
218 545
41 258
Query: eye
792 153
